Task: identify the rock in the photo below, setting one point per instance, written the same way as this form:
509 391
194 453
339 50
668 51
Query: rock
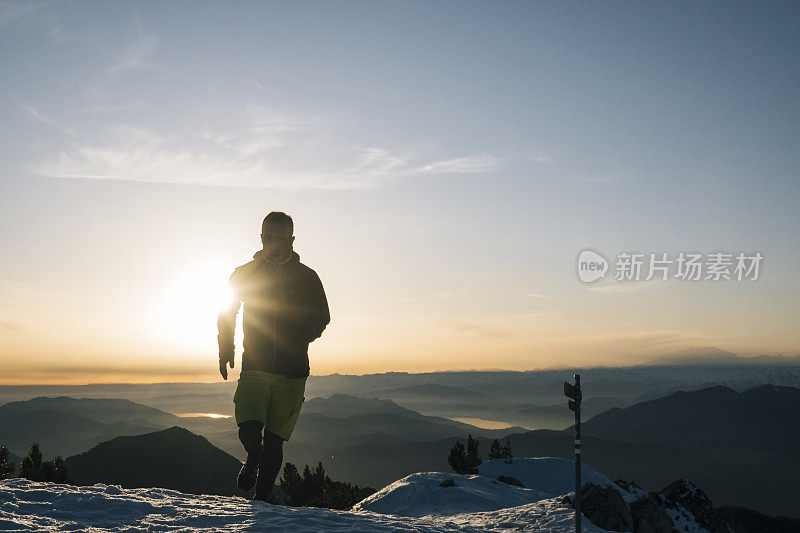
448 483
628 485
650 516
511 481
605 508
696 502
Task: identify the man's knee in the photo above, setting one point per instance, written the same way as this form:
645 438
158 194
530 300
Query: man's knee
272 441
250 435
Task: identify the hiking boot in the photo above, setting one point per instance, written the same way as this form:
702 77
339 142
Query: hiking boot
248 474
269 498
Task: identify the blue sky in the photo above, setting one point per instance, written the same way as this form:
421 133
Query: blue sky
445 162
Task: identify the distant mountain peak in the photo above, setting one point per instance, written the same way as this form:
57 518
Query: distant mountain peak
171 458
696 355
350 400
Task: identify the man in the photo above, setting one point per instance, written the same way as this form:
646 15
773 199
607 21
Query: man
285 308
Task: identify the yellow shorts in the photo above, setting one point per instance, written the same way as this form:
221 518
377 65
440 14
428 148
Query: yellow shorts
273 399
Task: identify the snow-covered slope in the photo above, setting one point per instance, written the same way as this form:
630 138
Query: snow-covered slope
422 493
27 505
418 502
551 475
33 506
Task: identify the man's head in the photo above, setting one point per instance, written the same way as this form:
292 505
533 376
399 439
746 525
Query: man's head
276 235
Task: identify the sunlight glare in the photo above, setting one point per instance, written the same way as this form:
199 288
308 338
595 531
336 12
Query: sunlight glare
187 314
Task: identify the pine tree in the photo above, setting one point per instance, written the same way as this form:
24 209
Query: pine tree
292 484
473 459
60 474
6 468
35 469
458 458
315 489
505 450
500 452
31 467
465 462
494 450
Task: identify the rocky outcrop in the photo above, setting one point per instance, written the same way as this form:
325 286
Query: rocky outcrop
698 504
650 515
605 507
680 507
510 481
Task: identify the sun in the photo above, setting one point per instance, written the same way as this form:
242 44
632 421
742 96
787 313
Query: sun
186 315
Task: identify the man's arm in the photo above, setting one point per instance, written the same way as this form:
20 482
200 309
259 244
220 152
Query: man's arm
318 316
226 325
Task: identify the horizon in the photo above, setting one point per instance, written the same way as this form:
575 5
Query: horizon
738 361
453 171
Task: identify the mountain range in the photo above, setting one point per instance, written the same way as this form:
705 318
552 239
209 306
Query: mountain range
738 445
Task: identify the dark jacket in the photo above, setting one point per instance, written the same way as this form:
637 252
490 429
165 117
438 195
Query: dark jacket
285 308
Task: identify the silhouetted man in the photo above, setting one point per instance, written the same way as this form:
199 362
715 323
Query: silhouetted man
285 308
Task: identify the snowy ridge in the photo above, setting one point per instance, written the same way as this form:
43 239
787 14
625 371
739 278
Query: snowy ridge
421 494
33 506
422 502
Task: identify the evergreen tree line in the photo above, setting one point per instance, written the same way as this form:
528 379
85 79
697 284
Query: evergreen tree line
34 468
466 461
312 489
315 489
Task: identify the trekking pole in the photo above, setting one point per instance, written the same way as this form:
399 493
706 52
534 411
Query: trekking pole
573 392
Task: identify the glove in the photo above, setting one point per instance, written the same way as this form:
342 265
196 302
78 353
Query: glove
305 333
225 358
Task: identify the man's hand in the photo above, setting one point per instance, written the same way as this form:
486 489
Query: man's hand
224 360
305 333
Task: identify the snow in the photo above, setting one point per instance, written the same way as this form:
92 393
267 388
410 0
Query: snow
421 494
684 521
551 475
416 503
33 506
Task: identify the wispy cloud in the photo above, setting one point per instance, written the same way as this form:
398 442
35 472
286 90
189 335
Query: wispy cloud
613 286
41 117
620 287
134 55
12 12
597 178
276 149
464 165
270 119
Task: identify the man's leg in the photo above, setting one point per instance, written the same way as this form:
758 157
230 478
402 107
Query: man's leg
269 466
251 399
286 400
250 437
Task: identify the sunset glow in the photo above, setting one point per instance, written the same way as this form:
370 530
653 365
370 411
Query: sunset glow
186 315
444 163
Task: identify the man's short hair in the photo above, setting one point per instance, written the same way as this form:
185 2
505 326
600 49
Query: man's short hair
279 217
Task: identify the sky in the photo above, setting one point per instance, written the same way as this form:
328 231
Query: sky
445 164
